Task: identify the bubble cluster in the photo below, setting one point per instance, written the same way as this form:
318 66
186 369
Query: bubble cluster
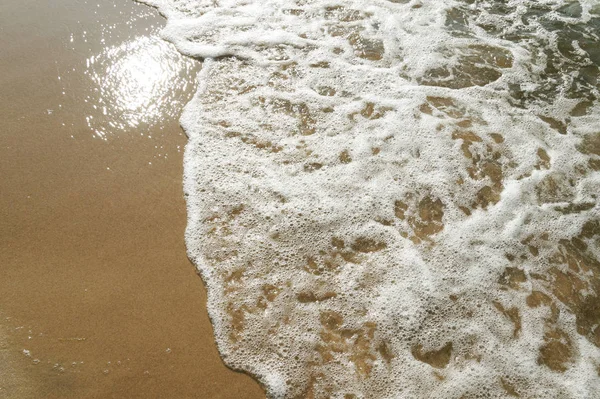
397 198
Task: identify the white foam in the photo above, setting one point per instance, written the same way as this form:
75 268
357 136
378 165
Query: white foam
351 205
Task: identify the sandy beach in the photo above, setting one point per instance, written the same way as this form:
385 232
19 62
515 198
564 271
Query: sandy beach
385 199
97 296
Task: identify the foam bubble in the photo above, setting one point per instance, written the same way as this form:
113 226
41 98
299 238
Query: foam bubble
397 198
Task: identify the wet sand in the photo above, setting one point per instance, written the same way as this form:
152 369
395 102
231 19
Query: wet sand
97 296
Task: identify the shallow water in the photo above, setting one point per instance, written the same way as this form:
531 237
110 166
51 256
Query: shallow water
97 296
397 198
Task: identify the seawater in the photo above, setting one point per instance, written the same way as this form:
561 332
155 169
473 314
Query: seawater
397 198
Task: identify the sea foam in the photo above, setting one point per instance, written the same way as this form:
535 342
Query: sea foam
397 198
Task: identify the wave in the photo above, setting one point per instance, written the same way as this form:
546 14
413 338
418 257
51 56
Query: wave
396 198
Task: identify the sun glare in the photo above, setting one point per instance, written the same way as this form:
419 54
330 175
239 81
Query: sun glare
138 82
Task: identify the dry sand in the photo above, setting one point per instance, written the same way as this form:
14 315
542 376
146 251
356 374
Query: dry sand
97 296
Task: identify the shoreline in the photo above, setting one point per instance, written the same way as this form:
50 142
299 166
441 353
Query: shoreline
97 285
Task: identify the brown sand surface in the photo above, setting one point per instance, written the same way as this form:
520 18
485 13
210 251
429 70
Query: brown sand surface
97 296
